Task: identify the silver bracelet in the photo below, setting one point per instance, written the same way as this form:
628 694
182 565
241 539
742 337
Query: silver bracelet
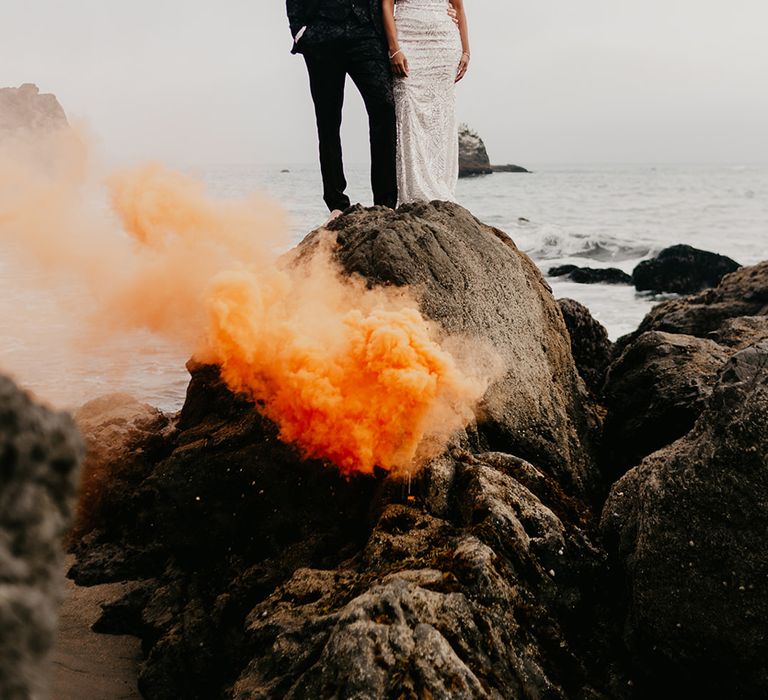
395 54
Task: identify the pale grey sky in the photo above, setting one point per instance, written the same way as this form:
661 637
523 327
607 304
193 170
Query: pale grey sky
197 81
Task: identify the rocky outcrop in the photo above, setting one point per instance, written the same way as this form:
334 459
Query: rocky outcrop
475 283
473 156
591 275
39 458
682 269
590 345
283 579
26 108
741 293
654 392
260 574
688 526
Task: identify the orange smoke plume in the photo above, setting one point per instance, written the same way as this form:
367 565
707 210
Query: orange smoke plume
349 374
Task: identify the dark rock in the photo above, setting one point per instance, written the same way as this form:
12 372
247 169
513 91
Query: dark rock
25 108
741 293
40 453
590 345
509 168
682 269
689 527
475 283
124 439
654 392
591 275
742 331
480 591
473 157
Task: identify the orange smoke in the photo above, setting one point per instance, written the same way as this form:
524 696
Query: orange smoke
351 375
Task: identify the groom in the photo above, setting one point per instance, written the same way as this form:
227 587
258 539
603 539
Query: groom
339 38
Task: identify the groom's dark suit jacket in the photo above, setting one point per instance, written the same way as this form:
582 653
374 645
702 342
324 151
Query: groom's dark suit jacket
326 19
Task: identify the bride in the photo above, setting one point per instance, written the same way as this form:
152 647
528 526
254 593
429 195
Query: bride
428 56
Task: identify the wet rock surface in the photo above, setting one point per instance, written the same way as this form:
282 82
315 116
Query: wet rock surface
741 293
682 269
591 275
688 525
654 392
40 453
590 344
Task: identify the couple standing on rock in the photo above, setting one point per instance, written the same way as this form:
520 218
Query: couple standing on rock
405 63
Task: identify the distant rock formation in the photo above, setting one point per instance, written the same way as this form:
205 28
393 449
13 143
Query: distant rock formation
26 108
40 453
473 156
682 269
591 275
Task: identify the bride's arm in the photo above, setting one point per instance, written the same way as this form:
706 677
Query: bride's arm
396 57
458 5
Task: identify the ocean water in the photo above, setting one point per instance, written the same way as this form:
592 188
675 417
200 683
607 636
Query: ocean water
596 215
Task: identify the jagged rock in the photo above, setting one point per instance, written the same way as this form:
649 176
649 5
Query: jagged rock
689 527
474 282
39 458
590 345
473 156
654 392
741 293
26 108
591 275
487 598
682 269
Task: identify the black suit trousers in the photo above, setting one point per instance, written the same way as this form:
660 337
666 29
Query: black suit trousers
364 58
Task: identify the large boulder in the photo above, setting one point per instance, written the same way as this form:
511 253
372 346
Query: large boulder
741 293
261 574
26 108
476 283
682 269
39 458
654 392
590 344
688 526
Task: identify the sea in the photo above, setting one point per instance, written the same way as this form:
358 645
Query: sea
587 215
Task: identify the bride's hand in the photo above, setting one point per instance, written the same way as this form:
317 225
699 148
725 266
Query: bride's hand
399 64
463 65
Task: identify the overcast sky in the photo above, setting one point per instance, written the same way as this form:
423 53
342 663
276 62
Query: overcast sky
551 81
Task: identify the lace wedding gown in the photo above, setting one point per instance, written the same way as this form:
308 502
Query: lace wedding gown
427 133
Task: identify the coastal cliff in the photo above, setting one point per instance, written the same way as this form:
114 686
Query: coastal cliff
499 569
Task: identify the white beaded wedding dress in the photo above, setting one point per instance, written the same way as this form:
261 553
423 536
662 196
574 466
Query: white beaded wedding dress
427 132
